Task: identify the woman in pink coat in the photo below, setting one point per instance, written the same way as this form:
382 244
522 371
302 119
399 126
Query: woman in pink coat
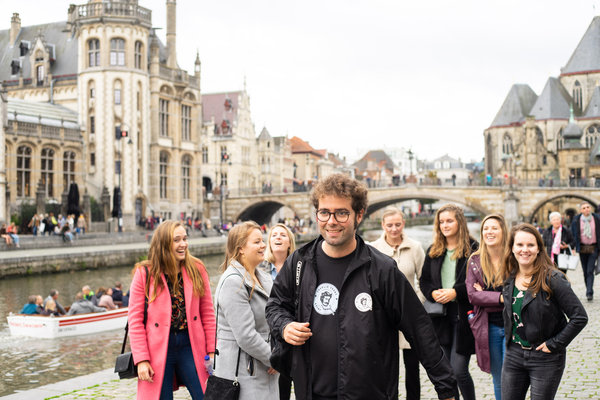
169 350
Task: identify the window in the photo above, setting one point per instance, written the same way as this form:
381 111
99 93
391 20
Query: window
138 55
560 140
186 122
507 147
223 179
577 102
40 75
591 135
117 52
92 124
223 153
117 96
92 93
93 53
24 171
162 173
204 154
47 171
92 159
68 169
163 117
185 177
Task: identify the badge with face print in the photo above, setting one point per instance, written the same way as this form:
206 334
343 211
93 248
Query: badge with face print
363 302
326 299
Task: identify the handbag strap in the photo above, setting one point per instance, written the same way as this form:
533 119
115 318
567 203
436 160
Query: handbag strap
237 367
145 313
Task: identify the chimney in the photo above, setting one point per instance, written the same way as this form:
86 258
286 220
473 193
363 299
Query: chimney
15 28
171 33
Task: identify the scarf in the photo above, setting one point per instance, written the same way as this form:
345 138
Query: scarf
557 239
587 226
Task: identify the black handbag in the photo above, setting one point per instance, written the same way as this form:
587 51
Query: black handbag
218 388
434 309
124 365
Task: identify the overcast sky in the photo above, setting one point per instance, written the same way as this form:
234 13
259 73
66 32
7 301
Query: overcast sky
350 75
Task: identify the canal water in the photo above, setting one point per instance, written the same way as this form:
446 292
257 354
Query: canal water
26 363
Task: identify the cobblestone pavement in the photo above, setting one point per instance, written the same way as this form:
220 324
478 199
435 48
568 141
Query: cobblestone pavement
580 379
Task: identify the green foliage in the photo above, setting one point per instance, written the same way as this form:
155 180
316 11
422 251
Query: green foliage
97 214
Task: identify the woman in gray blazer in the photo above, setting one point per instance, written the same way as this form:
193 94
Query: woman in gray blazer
241 297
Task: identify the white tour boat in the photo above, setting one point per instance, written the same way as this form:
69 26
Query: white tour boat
41 326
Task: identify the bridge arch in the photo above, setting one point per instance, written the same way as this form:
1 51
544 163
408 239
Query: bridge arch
540 204
378 204
261 212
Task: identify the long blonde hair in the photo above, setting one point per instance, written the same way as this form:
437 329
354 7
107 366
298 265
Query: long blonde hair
491 277
236 239
438 247
161 260
269 257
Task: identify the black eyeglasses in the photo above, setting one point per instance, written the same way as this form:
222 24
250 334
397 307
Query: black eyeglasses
342 216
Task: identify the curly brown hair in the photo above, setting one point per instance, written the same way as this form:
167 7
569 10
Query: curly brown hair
341 185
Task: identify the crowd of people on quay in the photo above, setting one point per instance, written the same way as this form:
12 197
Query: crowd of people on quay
67 227
331 316
86 301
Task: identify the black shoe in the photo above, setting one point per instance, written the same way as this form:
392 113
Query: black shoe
590 298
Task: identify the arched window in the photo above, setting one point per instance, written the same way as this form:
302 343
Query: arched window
24 171
591 135
577 99
539 135
507 146
47 169
185 176
162 174
138 55
117 51
68 169
93 53
560 141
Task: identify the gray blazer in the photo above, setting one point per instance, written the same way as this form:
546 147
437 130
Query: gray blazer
242 324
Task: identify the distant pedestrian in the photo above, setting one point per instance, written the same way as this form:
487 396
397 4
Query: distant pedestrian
586 231
541 314
34 224
81 225
557 239
12 232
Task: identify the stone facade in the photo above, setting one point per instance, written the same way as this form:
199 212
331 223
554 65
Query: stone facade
526 140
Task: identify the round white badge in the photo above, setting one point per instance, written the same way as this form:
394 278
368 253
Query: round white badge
363 302
326 299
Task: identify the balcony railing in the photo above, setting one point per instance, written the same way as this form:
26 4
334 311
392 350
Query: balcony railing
114 9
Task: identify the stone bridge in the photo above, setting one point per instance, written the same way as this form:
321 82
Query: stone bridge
516 204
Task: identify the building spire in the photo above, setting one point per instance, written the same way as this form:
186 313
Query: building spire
172 33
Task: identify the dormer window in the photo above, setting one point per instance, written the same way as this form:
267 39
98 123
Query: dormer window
23 49
40 75
15 66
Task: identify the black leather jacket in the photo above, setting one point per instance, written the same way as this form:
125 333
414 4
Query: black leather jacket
543 317
368 347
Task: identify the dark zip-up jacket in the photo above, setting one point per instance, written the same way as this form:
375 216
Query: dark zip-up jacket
431 279
368 340
576 231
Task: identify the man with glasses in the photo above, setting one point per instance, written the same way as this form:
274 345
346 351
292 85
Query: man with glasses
340 303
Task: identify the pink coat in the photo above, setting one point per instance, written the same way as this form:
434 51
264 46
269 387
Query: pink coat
150 342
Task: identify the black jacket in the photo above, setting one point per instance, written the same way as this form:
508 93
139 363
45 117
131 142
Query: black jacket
543 317
431 279
368 341
566 237
576 230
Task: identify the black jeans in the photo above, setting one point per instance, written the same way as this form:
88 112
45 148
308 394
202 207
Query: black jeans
525 368
588 262
412 380
460 367
285 387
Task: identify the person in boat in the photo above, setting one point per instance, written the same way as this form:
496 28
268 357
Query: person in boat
50 309
88 293
33 305
99 293
117 292
83 306
106 300
54 297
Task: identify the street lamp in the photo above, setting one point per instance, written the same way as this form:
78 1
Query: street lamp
121 133
410 159
224 160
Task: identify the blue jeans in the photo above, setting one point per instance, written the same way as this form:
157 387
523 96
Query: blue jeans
497 347
588 262
180 361
524 368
